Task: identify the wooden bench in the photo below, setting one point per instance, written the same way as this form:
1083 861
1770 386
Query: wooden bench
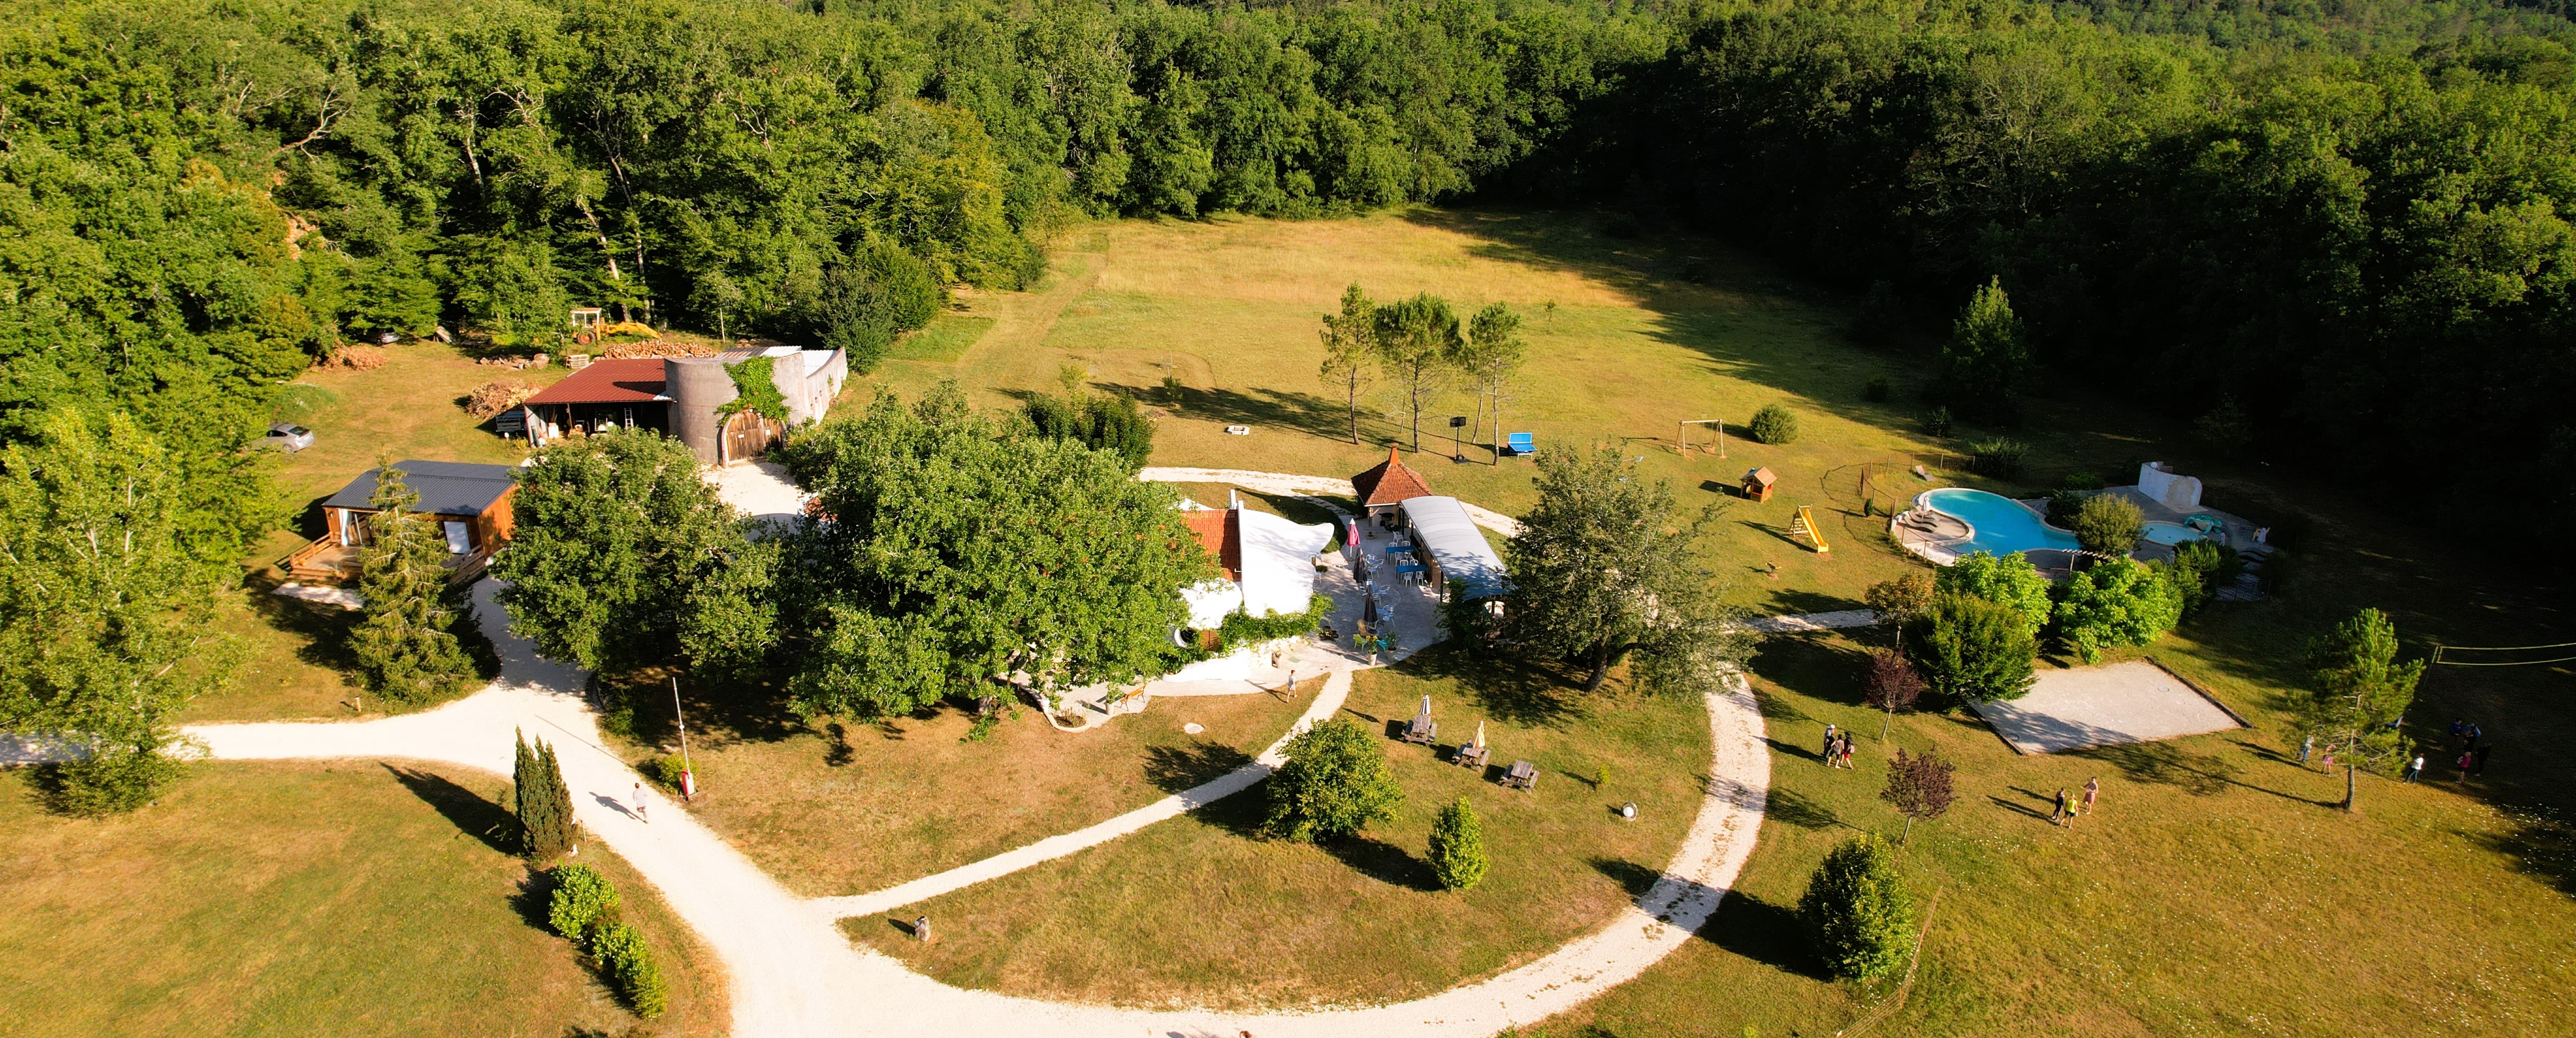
1524 775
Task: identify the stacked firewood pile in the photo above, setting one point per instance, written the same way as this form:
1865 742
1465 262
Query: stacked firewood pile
353 358
491 398
654 348
533 360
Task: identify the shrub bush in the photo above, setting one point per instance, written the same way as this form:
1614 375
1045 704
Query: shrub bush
1857 911
1997 456
628 964
1458 846
1972 649
665 770
1937 422
112 779
582 899
1333 784
2007 579
1775 425
1878 390
1109 423
2209 566
2069 496
2108 524
2120 602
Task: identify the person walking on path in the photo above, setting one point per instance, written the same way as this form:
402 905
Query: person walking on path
2306 746
2092 792
2059 817
2414 768
2466 759
639 805
1831 735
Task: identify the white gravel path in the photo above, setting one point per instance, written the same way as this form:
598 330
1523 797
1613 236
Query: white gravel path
793 973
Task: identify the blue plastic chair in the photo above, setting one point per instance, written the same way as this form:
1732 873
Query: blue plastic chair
1518 444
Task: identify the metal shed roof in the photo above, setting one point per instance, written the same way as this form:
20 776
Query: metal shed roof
445 487
1441 527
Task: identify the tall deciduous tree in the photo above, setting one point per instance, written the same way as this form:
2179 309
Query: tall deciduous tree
1417 342
1350 352
1889 683
1493 357
2357 692
2119 602
1332 785
623 556
1601 570
1982 366
108 567
2008 579
947 555
405 642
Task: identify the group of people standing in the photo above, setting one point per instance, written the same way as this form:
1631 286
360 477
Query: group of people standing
1838 747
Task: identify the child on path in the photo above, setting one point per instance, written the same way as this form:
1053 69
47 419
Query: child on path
2092 792
2060 816
2414 768
2465 760
2306 746
639 805
1847 749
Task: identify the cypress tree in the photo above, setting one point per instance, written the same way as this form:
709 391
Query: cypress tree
405 644
544 802
1458 846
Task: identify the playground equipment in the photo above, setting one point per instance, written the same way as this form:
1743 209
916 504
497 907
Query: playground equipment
1683 436
1805 525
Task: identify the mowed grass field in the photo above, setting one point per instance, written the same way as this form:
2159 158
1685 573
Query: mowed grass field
2214 895
847 807
1203 911
308 899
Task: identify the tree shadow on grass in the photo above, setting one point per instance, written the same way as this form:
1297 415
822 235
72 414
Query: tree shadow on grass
322 630
1275 409
1176 768
534 900
2540 841
468 811
1810 664
1507 690
1633 878
1795 808
1763 932
1381 861
2200 774
1240 815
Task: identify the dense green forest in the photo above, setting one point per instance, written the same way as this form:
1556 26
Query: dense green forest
2335 230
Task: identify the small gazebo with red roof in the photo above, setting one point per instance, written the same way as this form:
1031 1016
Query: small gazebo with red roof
1382 488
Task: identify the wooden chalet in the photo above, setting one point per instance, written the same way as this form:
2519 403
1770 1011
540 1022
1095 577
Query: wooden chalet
471 503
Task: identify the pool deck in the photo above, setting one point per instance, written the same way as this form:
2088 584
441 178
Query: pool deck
1935 536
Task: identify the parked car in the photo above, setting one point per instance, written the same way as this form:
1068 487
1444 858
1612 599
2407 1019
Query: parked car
288 437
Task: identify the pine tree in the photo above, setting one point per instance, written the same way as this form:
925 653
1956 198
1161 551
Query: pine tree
1458 846
1857 910
404 644
544 802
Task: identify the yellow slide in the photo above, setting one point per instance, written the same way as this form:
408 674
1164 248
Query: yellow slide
1806 524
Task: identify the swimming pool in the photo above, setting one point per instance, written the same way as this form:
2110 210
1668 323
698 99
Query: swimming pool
2168 533
1996 523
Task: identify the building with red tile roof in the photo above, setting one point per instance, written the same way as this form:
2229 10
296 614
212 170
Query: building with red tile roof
1382 488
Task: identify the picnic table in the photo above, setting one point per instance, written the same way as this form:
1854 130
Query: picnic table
1473 756
1524 775
1422 730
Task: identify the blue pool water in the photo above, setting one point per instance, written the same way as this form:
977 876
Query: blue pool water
1996 523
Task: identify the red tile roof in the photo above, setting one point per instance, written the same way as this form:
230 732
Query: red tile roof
624 381
1389 483
1221 533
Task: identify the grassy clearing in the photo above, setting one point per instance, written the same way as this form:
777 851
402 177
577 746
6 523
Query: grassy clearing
2215 891
946 337
2137 923
301 899
846 807
1201 911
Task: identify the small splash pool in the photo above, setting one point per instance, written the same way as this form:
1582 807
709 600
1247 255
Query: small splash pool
2168 534
1996 524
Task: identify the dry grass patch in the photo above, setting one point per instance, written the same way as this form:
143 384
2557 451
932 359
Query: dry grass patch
1200 911
305 899
846 807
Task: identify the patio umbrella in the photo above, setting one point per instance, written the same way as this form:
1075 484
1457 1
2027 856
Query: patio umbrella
1426 706
1480 735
